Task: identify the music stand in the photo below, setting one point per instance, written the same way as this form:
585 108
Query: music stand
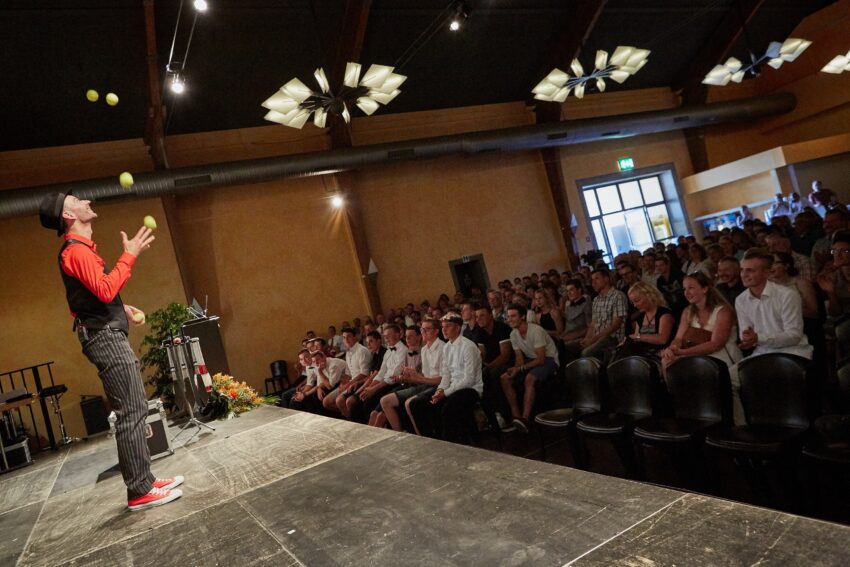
182 366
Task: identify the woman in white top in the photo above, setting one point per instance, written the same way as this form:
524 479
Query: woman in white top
709 311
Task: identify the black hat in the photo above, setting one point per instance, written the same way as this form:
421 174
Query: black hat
50 211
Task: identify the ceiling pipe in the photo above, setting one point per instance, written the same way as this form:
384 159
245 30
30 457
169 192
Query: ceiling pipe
24 201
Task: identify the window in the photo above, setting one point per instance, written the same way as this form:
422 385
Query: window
628 215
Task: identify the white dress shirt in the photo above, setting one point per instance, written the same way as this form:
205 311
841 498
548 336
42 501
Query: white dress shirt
432 358
461 367
777 319
392 363
334 369
358 359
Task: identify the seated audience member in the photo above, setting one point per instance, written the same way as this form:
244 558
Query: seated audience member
412 364
380 322
833 221
421 380
467 313
808 229
647 264
742 241
367 329
715 254
784 273
834 280
779 207
777 241
335 342
348 400
305 362
797 204
547 314
369 394
494 340
577 317
357 359
729 279
535 363
608 316
494 299
727 245
652 329
327 375
669 283
707 326
450 407
697 261
821 198
770 317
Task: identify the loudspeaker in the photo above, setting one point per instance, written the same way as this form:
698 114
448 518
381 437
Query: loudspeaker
207 331
94 414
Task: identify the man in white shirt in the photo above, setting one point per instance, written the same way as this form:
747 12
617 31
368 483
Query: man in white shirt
335 342
535 362
357 359
416 380
452 405
369 395
326 375
770 317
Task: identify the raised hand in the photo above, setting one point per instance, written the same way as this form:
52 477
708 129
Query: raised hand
139 243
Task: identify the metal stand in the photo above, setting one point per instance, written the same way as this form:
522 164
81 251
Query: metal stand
182 365
53 393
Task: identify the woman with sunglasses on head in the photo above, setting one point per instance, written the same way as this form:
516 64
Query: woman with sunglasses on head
834 279
707 326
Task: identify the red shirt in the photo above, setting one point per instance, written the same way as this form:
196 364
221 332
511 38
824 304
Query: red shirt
84 264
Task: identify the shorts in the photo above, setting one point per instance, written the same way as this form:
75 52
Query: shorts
541 374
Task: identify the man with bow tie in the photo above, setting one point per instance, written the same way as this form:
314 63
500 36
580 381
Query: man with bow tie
370 394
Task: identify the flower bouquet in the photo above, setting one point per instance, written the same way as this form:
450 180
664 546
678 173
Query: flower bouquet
229 398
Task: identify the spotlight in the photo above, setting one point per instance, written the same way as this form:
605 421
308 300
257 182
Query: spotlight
337 201
200 5
460 16
177 85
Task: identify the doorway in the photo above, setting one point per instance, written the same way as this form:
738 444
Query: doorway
469 272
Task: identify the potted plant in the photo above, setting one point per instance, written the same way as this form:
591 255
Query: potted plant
164 324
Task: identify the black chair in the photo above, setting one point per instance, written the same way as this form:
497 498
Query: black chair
765 450
584 392
279 380
667 448
826 457
607 434
842 337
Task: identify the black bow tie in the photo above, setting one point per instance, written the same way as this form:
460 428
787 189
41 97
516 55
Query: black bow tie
392 348
412 352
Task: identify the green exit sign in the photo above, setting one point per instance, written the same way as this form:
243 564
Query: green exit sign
625 163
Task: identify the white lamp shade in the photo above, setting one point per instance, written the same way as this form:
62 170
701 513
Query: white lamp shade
839 64
352 74
320 117
792 48
732 64
719 76
776 62
562 94
557 77
382 97
621 55
738 76
375 76
298 119
543 97
579 90
576 67
601 59
600 84
324 86
297 90
367 105
392 83
545 87
275 116
281 102
619 75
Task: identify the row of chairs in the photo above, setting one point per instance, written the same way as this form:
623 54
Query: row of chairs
616 425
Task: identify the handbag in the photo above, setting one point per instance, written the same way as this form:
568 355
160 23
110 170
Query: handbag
694 336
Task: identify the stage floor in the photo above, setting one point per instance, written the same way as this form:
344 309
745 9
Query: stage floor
278 488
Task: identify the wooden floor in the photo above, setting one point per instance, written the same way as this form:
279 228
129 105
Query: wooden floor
276 487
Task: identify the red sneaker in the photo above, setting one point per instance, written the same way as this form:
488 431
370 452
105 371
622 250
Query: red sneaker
168 483
156 497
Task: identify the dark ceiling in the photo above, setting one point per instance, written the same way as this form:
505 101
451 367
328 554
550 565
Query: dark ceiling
51 52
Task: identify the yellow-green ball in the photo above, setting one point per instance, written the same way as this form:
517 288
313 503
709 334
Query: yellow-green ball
111 99
126 180
150 222
92 95
139 318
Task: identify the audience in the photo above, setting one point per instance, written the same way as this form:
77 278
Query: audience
653 326
608 317
494 341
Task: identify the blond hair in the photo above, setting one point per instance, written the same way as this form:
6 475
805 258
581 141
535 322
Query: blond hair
649 291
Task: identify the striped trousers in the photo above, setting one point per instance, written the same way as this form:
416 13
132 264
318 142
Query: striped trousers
118 368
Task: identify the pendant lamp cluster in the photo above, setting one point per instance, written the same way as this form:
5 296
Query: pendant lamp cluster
295 102
777 53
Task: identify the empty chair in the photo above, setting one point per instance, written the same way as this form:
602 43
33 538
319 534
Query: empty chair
606 435
584 391
667 448
773 393
826 457
279 380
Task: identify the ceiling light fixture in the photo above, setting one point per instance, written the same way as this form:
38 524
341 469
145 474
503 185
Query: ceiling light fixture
293 104
177 86
777 53
838 65
200 5
460 16
337 201
623 63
